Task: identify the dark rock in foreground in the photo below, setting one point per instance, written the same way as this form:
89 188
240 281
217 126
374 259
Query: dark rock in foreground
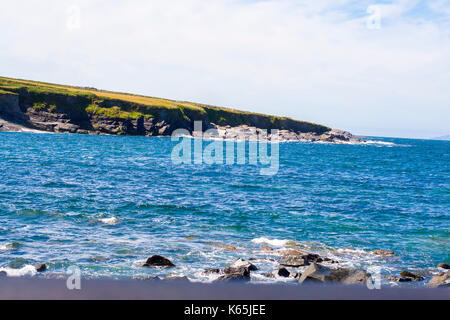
441 281
294 261
239 264
444 265
283 272
158 261
320 274
41 267
407 276
239 270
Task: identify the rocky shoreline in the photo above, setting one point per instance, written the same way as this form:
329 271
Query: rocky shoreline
294 266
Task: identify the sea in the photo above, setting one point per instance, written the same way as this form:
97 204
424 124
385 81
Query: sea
104 204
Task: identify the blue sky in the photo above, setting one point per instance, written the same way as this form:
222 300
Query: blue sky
370 67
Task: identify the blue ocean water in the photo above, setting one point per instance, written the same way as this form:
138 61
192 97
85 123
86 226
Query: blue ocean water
106 203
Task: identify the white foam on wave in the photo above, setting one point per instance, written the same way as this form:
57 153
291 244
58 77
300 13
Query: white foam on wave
27 270
8 246
381 143
272 242
110 221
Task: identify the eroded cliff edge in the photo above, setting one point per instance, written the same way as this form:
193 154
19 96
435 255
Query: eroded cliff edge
56 108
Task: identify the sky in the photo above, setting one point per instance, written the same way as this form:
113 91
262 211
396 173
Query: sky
377 68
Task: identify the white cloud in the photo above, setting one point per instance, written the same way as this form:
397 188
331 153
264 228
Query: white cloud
312 60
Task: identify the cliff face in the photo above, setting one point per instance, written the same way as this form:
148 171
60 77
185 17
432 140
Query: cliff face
57 108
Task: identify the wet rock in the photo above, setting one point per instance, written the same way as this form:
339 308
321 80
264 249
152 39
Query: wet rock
440 281
239 264
407 276
315 273
354 277
239 270
158 261
3 274
444 265
41 267
283 272
211 271
264 248
294 261
177 278
320 274
383 252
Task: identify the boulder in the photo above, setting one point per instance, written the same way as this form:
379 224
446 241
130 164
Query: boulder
241 274
315 273
158 261
320 274
283 272
294 261
407 276
3 274
355 277
41 267
444 266
239 264
383 252
441 281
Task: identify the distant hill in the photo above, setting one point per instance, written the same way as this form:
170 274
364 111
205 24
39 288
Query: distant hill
447 137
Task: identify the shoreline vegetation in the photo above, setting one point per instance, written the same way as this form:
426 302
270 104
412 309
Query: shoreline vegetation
31 105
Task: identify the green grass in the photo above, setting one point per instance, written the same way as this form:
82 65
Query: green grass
7 92
113 112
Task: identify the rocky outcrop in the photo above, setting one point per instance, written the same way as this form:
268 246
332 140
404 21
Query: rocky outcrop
407 276
56 111
158 261
41 267
239 264
239 270
316 273
441 281
444 266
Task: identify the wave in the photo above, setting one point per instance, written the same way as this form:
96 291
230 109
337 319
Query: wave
9 246
272 242
110 221
27 270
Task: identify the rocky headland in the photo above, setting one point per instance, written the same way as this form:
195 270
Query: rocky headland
28 105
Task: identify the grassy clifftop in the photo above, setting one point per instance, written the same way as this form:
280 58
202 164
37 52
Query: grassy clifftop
82 103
